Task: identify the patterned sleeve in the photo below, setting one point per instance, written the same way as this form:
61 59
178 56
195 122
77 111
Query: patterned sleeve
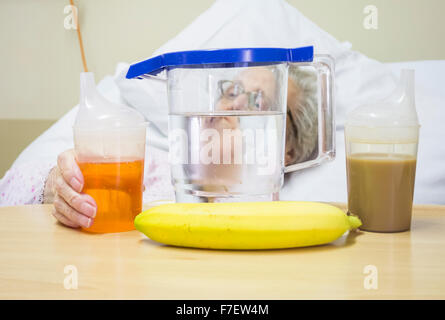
24 183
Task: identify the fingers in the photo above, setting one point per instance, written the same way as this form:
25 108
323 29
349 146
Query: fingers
69 216
66 162
82 203
64 220
72 208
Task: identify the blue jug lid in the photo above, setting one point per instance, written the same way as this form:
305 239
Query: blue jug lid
235 57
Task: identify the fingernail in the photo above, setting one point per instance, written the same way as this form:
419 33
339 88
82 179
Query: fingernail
88 209
86 222
76 184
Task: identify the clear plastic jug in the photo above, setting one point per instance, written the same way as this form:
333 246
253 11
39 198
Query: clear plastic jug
227 118
109 142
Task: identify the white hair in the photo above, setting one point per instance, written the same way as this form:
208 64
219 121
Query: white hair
302 134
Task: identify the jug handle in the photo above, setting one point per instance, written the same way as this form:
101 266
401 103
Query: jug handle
324 65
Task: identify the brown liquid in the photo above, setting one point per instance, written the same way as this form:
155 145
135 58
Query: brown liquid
380 190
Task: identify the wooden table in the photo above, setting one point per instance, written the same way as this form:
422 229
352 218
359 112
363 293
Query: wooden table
35 251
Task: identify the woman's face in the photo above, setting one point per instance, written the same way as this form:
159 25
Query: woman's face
252 90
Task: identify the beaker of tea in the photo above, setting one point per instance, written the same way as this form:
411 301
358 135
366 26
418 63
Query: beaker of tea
381 155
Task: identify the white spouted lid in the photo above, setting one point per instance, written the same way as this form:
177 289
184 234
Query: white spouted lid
106 131
393 120
97 113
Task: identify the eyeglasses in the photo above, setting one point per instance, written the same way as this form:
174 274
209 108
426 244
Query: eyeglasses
232 89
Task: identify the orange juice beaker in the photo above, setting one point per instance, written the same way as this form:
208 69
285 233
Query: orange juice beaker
117 189
109 141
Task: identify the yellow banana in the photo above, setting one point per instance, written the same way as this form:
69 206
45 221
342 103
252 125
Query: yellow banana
245 225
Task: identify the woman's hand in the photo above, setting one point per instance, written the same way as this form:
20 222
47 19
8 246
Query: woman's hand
63 189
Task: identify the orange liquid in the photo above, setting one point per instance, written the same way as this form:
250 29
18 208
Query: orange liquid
117 189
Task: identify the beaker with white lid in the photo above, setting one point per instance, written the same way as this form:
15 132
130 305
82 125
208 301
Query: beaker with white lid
109 141
381 157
